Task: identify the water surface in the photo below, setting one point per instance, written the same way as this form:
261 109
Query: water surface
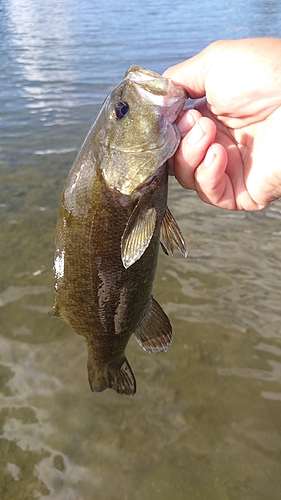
205 422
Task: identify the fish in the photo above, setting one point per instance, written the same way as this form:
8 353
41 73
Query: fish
113 215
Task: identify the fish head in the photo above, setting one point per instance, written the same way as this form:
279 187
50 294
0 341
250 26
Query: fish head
140 130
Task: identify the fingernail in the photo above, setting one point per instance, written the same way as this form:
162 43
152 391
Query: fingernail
196 134
186 122
209 158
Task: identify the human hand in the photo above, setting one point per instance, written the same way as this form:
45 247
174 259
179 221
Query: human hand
231 145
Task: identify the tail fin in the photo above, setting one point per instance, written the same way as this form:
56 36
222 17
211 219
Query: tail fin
121 379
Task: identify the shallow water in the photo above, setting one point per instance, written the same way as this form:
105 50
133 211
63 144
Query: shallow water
205 422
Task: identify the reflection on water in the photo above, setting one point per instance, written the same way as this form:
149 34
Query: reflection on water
205 422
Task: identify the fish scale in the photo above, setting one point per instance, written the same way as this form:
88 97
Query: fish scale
112 217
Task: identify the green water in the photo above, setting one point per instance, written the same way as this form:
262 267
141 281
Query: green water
205 422
206 416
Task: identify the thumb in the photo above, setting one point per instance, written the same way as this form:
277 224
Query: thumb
190 74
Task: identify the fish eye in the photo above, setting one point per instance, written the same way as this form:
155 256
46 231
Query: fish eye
121 109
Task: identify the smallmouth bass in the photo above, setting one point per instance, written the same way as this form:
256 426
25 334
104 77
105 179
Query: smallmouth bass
112 217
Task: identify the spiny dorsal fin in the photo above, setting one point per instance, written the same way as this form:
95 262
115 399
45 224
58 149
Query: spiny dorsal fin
154 334
137 235
170 234
56 311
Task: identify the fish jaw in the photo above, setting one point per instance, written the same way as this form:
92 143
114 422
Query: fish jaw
140 142
158 90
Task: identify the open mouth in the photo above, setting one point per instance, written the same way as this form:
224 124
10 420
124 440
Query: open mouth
158 91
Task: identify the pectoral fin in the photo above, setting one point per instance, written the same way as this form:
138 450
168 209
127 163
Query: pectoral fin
154 334
170 234
137 235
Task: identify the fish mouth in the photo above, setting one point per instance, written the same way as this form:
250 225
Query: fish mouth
157 90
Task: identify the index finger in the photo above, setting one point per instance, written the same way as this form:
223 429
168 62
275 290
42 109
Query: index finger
190 75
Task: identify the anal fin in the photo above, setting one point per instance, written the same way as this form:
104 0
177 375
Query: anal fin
154 334
119 378
170 234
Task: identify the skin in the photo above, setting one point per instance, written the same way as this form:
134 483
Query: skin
229 151
97 296
109 226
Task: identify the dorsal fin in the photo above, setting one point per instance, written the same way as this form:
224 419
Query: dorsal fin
56 311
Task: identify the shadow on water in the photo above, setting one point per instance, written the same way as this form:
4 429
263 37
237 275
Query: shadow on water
205 422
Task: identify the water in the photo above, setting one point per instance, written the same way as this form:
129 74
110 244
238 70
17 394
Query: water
205 422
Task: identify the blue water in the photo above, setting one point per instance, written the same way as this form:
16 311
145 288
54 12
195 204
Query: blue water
205 422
